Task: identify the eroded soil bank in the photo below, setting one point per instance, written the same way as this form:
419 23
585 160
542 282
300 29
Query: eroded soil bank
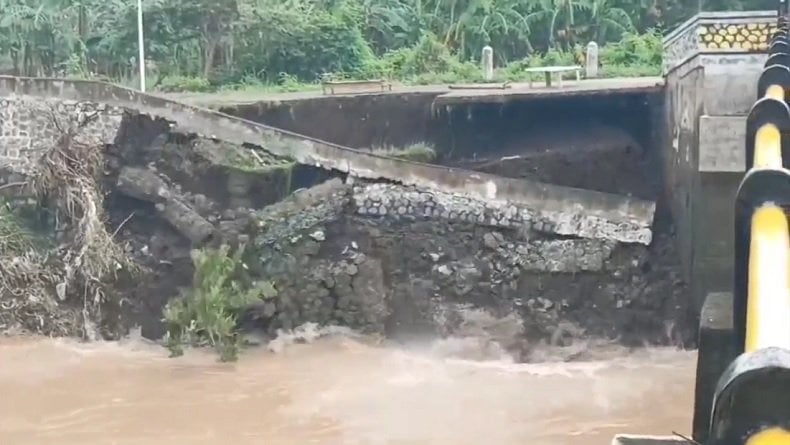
605 142
377 257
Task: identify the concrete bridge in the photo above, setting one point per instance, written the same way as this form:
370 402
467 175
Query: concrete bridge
711 65
511 202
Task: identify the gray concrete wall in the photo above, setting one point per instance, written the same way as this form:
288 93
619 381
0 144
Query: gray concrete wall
713 64
713 233
683 108
729 91
554 209
721 143
731 82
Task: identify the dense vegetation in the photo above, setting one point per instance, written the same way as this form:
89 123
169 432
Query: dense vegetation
198 44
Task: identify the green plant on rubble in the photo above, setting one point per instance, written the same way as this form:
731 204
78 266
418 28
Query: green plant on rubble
207 314
417 152
14 237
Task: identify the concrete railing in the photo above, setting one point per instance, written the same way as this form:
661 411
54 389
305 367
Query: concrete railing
616 209
718 32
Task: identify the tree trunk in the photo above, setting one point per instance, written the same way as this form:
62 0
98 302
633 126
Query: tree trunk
145 185
15 63
211 49
142 184
187 221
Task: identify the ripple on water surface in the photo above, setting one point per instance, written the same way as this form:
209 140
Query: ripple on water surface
334 390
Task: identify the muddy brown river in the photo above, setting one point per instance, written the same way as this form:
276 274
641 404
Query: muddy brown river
335 390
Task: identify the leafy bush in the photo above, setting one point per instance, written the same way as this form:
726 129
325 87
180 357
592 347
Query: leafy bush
207 314
428 62
634 49
302 41
554 57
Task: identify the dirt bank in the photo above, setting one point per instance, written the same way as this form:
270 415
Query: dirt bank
606 143
588 155
458 131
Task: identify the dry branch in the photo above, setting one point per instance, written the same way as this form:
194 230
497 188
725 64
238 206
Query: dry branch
32 283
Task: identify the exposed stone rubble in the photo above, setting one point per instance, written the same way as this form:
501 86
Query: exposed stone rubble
391 274
290 219
409 202
551 255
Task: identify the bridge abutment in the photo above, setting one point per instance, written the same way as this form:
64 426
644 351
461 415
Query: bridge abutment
712 64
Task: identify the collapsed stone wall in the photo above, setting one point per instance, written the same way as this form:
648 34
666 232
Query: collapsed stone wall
400 272
393 200
380 257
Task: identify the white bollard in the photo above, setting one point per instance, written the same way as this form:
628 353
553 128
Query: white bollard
591 68
488 63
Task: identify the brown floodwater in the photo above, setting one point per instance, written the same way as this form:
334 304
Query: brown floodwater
334 390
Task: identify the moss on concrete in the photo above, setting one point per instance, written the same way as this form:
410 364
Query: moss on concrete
417 152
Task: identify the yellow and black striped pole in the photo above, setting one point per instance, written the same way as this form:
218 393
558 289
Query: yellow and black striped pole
751 404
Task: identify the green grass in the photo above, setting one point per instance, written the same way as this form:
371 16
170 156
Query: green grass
14 236
513 72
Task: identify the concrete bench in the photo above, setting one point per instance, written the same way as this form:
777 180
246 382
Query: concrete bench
355 86
548 71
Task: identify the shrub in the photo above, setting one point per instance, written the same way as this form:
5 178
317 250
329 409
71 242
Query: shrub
207 314
303 42
634 49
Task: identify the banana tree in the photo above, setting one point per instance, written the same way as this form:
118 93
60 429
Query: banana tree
559 18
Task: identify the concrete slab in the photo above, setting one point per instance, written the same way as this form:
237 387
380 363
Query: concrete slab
516 91
634 439
571 88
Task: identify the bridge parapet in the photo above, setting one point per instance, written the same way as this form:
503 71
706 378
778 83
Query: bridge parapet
712 65
719 33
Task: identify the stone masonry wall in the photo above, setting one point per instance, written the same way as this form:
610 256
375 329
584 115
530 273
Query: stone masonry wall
410 202
395 271
30 126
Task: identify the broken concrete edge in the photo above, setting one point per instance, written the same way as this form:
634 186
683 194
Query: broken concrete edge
650 85
619 210
636 439
206 100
